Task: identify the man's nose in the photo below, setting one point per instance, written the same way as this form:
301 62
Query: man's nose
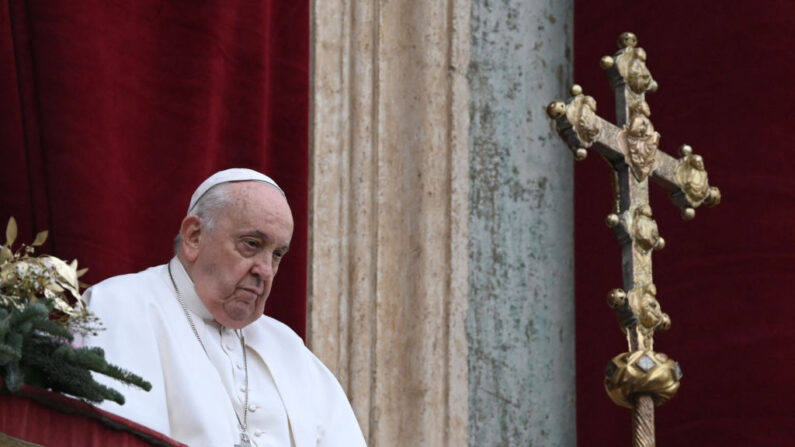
263 268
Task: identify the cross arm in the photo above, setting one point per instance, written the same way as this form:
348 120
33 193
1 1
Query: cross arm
580 127
634 145
686 180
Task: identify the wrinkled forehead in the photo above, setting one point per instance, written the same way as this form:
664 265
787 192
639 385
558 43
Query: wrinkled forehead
259 200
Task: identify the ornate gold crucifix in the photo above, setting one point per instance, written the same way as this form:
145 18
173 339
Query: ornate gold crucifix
640 378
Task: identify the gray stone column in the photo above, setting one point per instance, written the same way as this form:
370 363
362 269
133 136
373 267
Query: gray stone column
520 323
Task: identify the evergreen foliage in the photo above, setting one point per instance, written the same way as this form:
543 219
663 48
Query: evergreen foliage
40 309
37 351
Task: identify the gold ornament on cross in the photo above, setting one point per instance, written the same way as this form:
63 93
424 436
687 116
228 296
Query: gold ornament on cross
639 378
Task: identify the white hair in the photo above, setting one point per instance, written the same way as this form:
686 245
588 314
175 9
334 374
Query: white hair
206 209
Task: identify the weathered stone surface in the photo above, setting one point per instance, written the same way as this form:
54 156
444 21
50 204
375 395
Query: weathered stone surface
520 323
446 313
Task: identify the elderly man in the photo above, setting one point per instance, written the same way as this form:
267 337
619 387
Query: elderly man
222 373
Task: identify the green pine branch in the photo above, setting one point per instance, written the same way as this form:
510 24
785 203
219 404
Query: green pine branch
36 350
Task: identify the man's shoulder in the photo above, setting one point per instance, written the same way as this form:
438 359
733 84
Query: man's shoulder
286 354
275 340
276 329
131 284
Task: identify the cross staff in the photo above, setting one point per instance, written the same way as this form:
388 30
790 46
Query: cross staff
639 378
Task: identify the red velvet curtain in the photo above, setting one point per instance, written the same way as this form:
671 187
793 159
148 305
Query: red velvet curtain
114 111
725 71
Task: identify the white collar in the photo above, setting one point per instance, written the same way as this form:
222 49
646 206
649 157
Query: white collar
188 291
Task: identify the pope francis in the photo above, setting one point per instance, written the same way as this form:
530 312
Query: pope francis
222 373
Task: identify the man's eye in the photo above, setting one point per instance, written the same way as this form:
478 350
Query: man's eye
250 243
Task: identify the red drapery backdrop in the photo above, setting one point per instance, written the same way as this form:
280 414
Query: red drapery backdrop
725 71
114 111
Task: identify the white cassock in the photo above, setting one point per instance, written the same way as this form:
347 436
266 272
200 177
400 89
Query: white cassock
293 398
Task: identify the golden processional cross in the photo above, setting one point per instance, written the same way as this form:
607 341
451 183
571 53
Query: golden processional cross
640 378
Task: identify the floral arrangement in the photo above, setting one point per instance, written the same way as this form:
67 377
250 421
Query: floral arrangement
41 310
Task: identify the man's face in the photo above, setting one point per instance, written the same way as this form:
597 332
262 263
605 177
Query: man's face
233 265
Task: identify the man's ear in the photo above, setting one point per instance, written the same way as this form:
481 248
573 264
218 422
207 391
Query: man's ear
191 231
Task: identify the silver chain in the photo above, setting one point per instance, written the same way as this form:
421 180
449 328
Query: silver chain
244 423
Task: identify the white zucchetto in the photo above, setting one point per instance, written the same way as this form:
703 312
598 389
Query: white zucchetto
230 175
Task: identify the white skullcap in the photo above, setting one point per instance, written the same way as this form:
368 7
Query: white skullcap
226 176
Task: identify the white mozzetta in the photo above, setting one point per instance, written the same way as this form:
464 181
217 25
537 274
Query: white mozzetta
292 395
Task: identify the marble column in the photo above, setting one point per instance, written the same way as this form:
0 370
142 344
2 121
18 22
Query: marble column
520 321
440 289
389 179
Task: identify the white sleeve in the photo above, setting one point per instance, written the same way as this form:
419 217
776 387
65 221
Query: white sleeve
130 342
338 425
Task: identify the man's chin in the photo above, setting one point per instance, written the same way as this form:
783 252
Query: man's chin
237 315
